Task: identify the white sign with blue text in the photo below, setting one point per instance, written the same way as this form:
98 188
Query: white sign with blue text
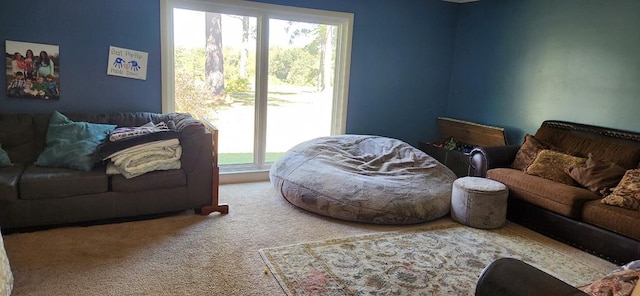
127 63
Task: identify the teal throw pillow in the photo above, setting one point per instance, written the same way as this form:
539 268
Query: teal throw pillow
4 158
72 144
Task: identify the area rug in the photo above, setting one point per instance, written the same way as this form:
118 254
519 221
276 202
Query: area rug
444 259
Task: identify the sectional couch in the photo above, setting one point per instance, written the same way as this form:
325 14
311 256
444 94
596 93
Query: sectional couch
33 196
575 182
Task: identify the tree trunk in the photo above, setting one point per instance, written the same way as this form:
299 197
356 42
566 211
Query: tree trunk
245 47
214 67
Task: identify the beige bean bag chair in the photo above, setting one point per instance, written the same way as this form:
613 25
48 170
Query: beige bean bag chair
364 178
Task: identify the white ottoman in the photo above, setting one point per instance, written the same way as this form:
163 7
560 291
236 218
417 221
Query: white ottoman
479 202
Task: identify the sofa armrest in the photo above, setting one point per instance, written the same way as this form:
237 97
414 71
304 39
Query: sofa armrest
508 276
195 139
214 139
215 206
196 159
182 121
482 159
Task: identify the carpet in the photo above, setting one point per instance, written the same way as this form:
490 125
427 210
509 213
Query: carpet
443 259
189 254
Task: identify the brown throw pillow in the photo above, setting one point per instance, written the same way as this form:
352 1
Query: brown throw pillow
553 165
627 193
528 152
597 176
619 283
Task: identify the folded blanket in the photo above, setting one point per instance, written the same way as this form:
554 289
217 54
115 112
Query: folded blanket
137 160
144 146
109 147
129 132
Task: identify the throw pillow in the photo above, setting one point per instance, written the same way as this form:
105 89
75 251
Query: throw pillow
71 144
596 175
4 158
620 282
554 165
627 193
528 152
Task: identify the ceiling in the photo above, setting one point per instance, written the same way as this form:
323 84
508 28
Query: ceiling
461 1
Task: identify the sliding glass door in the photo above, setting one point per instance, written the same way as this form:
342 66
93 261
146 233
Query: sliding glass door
268 77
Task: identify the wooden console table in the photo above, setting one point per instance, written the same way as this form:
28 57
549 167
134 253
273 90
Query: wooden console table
471 133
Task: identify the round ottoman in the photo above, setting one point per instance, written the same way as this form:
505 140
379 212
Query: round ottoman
364 178
479 202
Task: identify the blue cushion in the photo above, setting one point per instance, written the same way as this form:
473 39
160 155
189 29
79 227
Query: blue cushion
72 144
4 158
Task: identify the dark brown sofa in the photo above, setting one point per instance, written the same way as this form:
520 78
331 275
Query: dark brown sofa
33 196
572 214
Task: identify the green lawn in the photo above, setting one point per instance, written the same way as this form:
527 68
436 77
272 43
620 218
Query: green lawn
238 158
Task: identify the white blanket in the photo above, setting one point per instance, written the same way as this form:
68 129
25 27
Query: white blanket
140 159
6 276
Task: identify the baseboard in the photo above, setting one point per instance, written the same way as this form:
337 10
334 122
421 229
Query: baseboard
244 177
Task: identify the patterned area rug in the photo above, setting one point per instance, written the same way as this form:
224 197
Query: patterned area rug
445 259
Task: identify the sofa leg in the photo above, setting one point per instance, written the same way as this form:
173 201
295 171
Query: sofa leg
222 208
215 205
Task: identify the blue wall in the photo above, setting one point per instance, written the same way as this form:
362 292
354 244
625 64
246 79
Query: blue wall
518 63
401 58
400 64
84 30
515 64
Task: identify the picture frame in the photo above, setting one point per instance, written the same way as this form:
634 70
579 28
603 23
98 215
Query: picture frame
32 70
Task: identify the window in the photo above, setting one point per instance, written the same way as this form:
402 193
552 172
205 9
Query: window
267 76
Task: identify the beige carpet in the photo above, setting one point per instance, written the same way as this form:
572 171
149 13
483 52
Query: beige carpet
187 254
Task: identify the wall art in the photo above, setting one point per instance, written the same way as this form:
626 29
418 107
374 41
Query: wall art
33 70
127 63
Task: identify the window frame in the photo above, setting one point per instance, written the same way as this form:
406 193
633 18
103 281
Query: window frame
263 12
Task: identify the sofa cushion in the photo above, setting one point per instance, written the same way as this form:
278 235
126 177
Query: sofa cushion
626 154
616 219
72 144
556 197
149 181
554 166
17 137
528 152
596 175
43 182
4 158
9 177
627 193
120 119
